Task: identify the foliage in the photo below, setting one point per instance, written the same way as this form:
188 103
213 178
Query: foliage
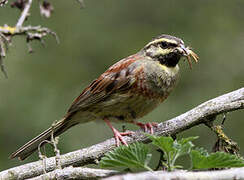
173 149
202 160
134 156
137 156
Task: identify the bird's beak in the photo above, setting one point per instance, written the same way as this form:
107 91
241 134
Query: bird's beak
188 53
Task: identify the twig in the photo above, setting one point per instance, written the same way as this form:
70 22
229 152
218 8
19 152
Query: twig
234 173
3 47
225 103
54 142
31 32
2 67
24 14
223 143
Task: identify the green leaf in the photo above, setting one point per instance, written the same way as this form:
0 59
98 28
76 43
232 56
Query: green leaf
185 145
168 145
135 155
186 140
202 160
173 149
203 151
163 142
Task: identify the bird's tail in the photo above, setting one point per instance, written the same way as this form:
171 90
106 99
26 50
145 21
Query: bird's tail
31 146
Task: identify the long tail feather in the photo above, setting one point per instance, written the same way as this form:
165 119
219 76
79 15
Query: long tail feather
31 146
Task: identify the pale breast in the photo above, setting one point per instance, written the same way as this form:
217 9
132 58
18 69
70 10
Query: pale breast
153 84
162 79
124 107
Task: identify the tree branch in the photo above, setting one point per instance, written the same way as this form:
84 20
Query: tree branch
76 173
200 114
234 173
85 173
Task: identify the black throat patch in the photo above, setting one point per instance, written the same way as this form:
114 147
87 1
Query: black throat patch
169 60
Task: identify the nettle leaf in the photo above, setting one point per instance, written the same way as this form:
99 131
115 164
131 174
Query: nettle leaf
169 146
185 145
186 140
172 149
203 160
135 155
165 143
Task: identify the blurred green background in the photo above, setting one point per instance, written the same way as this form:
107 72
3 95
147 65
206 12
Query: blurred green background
42 85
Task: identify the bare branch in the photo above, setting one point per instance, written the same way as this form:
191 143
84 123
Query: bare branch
31 32
234 173
24 14
85 173
200 114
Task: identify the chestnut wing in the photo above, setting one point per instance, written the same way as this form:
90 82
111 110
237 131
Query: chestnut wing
116 78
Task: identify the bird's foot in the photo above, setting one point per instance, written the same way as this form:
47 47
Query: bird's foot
118 135
147 126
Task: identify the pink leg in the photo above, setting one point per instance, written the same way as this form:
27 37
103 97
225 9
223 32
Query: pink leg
118 135
147 126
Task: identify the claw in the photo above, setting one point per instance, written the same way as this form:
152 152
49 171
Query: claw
147 126
118 135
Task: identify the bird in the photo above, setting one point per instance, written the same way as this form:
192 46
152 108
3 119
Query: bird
125 92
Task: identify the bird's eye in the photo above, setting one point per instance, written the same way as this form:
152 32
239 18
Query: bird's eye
164 44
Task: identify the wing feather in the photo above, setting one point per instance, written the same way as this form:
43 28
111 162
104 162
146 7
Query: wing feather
112 80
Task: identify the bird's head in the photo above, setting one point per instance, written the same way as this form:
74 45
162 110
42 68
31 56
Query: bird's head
168 50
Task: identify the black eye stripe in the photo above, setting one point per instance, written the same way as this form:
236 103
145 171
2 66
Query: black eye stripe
173 45
165 44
